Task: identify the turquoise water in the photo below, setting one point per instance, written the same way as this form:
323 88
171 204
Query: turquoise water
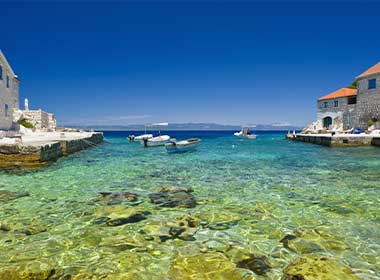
259 190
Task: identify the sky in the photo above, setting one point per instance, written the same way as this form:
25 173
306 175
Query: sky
230 62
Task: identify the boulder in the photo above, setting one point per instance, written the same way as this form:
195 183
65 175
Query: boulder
172 196
206 266
314 267
134 218
32 230
6 196
183 228
112 198
258 264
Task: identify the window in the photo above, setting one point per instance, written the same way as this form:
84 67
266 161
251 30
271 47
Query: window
6 109
1 72
351 100
336 103
7 81
325 104
371 83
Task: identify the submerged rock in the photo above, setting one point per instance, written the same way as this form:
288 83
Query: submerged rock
34 270
6 196
137 217
172 196
112 198
101 220
302 246
306 241
206 266
313 267
257 264
4 227
33 230
183 228
223 225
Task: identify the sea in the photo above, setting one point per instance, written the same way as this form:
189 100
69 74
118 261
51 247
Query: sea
232 209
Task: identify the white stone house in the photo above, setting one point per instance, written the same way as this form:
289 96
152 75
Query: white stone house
9 94
349 108
41 120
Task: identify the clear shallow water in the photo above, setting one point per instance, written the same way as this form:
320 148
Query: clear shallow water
264 189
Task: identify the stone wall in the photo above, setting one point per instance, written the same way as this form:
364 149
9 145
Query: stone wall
334 141
15 156
368 102
9 95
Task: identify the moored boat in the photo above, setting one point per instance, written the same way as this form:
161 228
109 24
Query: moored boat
182 146
245 133
159 140
140 137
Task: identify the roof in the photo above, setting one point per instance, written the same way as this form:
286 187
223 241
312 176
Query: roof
374 69
2 57
343 92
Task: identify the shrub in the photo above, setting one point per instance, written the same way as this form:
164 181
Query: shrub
25 123
354 85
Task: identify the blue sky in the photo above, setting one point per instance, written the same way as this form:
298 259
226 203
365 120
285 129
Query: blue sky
230 63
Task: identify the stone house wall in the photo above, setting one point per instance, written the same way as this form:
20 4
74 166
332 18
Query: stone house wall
9 94
344 111
368 101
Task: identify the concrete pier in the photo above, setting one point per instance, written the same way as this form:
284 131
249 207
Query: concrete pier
338 140
38 149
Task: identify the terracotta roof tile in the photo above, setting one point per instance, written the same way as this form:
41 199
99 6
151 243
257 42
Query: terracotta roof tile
343 92
372 70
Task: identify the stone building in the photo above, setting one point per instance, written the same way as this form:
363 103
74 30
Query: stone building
9 94
40 120
352 107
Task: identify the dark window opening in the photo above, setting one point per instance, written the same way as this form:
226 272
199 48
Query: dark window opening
371 83
351 100
6 109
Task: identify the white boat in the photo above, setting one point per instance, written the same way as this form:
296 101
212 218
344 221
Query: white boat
159 140
182 146
143 136
245 133
140 137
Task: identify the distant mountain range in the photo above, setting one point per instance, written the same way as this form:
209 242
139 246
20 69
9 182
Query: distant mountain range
192 126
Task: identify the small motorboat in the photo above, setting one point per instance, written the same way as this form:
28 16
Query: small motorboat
142 136
159 140
182 146
245 133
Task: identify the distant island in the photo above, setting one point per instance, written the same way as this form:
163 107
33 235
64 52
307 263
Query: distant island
193 126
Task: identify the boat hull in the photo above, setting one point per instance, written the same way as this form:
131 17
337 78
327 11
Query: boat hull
142 137
245 136
156 141
182 146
